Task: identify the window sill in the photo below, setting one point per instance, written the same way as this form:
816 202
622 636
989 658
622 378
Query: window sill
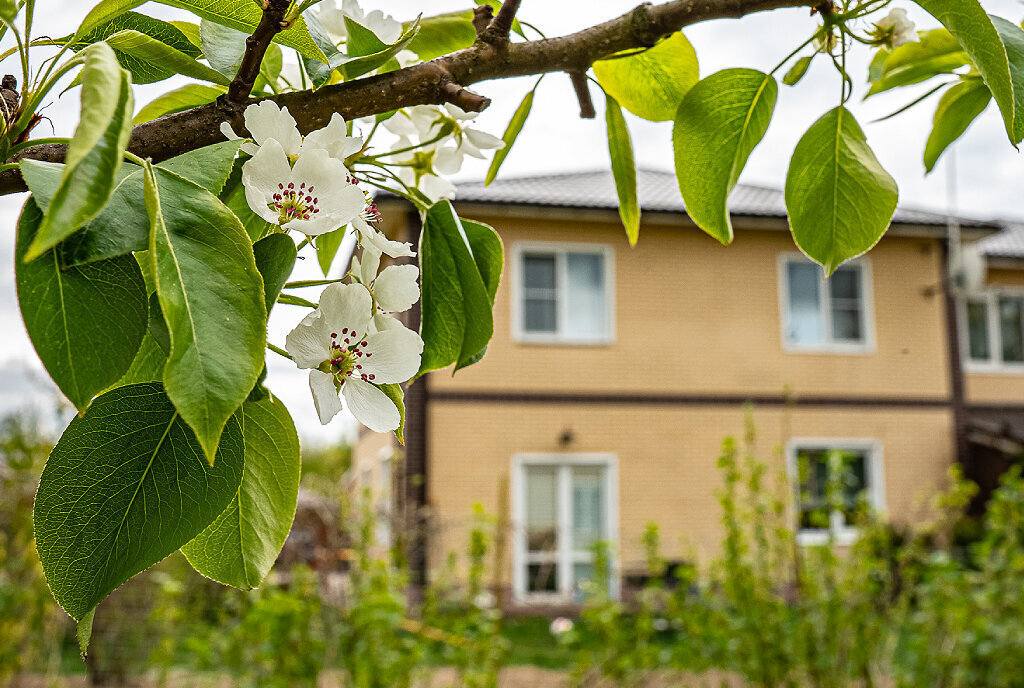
994 368
834 349
556 340
816 538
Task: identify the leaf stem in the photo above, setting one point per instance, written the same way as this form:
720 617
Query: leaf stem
131 157
279 351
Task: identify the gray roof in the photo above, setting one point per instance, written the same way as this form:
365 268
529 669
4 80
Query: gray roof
658 192
1008 243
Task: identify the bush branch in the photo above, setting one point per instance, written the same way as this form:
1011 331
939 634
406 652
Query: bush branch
427 83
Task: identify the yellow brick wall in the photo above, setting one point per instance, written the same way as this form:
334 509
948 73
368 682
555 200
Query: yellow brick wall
693 316
666 459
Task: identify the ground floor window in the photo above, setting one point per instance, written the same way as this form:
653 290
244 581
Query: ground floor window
833 482
564 504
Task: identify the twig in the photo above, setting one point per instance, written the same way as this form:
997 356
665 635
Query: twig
501 25
482 16
464 98
272 23
579 83
426 83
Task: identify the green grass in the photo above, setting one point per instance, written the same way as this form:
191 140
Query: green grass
531 643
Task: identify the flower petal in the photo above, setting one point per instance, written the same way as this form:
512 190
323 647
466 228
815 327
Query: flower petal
370 406
369 264
334 139
325 395
265 120
369 236
229 133
394 355
309 342
483 140
261 176
448 160
328 177
396 289
436 188
346 306
382 323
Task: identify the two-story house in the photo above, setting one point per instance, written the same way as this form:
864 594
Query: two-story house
615 373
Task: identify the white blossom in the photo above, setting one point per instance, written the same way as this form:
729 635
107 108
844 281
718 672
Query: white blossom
394 289
266 120
898 28
560 625
314 196
334 344
371 236
384 26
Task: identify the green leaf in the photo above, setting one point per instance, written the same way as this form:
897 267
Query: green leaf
95 152
152 51
86 323
212 298
179 100
445 33
719 123
125 486
515 125
651 84
158 326
363 64
275 259
996 47
222 46
937 53
148 365
242 15
488 254
84 632
123 225
797 71
361 41
144 70
327 246
190 31
240 547
958 108
839 198
397 395
457 322
623 169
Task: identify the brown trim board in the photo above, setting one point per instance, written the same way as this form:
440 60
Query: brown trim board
632 399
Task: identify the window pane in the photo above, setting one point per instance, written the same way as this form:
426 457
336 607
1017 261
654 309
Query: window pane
845 283
541 508
846 325
977 329
813 508
538 271
1011 328
542 578
588 508
804 322
822 489
587 307
539 315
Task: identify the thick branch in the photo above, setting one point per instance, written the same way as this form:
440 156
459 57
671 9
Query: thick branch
428 83
255 48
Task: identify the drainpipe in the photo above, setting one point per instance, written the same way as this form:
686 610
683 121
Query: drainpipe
952 280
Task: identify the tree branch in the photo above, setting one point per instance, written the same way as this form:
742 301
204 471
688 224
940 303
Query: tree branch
482 16
255 48
501 25
427 83
582 88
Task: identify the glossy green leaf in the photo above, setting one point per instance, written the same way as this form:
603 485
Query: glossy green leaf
143 69
996 47
222 46
327 246
937 53
488 254
651 84
397 395
719 123
150 50
957 109
457 322
86 323
240 546
839 198
242 15
158 326
95 152
365 52
445 33
123 225
125 486
189 29
797 71
179 100
515 125
212 298
623 169
148 365
275 259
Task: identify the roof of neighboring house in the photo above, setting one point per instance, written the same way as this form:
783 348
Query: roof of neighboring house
1008 243
658 191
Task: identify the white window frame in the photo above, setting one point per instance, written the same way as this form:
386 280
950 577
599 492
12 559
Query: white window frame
867 346
560 250
565 557
842 533
995 363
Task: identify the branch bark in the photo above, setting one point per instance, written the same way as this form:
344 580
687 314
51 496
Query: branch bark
427 83
256 46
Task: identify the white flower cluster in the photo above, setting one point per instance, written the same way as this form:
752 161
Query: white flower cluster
897 28
434 141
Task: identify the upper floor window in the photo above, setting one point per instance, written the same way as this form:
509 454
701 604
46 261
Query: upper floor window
833 483
564 294
821 313
995 329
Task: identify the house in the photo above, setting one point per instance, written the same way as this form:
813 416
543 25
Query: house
615 373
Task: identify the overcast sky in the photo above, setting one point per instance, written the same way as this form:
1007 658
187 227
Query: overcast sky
989 170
